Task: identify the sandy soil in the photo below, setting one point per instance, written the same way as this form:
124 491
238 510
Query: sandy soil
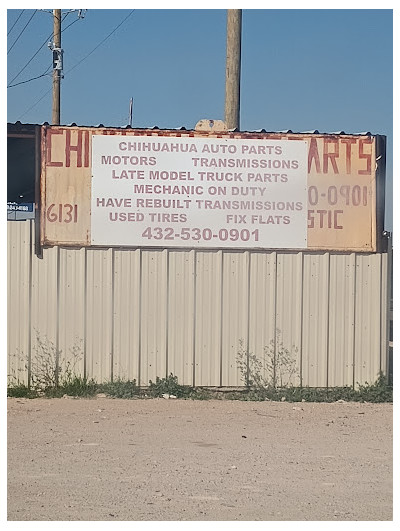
106 459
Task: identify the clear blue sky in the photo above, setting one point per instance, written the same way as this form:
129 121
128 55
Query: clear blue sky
329 70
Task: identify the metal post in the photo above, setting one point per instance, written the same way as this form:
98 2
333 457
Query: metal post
232 76
130 112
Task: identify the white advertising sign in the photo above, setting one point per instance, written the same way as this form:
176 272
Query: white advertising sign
155 191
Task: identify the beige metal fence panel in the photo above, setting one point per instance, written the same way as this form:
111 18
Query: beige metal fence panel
235 306
99 297
341 319
208 331
71 323
315 319
288 333
153 311
19 263
126 314
181 297
45 350
368 318
262 307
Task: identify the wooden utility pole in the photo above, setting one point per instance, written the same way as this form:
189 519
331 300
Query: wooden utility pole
57 57
232 77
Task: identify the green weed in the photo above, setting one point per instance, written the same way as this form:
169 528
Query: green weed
20 390
276 368
269 378
169 386
265 379
120 389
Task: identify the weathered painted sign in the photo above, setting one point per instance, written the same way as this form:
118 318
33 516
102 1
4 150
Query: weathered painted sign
195 189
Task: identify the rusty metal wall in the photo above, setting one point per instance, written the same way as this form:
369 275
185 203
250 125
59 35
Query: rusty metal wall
139 314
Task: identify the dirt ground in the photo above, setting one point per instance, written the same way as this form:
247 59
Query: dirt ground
145 460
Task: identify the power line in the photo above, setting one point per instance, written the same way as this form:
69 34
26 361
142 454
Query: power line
104 40
22 31
34 105
35 54
19 16
28 80
90 53
28 63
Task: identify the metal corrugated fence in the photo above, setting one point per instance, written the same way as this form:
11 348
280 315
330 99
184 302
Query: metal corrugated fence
138 314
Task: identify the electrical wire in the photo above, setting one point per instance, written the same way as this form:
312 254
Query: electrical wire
90 53
28 63
104 40
22 31
19 16
35 54
34 105
31 79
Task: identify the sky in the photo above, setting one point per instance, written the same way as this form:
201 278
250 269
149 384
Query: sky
304 70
